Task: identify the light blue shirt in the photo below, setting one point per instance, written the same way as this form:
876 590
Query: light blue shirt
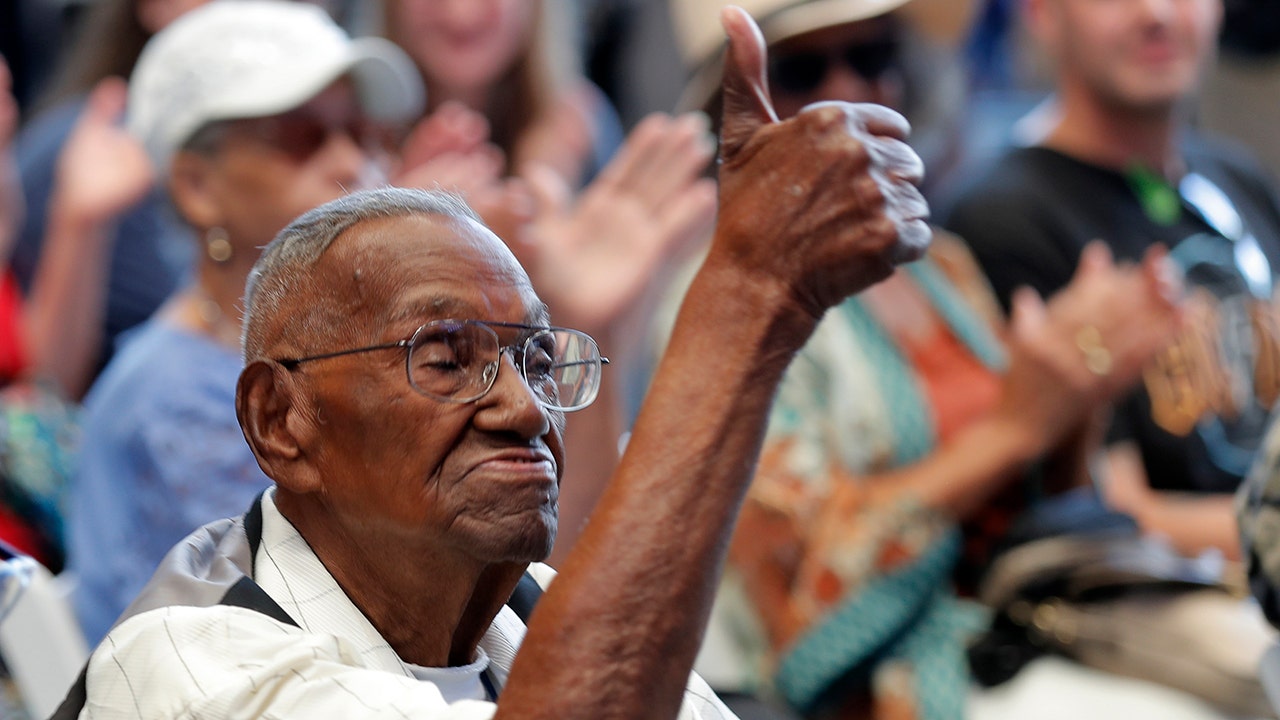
162 455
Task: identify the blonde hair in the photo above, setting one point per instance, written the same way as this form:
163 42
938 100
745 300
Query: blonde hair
527 90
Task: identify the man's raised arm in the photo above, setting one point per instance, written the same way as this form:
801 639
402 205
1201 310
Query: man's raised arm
811 210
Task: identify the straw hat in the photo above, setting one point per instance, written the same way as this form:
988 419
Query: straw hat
701 39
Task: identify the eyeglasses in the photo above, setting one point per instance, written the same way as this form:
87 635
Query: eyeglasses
299 134
457 361
804 71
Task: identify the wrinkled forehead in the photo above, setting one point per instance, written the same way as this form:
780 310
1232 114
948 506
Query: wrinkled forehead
421 267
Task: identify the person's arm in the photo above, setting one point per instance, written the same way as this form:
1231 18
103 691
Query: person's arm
804 222
102 171
1192 523
1048 411
12 201
1049 393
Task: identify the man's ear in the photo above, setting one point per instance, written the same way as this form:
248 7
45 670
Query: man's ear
274 421
191 185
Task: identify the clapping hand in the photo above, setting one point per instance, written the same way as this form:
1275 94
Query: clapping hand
1089 343
451 128
592 257
450 149
1117 344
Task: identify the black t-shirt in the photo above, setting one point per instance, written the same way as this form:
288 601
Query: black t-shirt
1202 407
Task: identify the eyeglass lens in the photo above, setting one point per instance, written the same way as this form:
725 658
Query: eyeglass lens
804 71
300 134
458 361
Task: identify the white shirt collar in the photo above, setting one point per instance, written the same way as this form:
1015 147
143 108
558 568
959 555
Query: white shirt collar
288 570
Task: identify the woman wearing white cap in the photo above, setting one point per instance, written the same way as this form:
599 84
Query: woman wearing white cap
908 413
252 112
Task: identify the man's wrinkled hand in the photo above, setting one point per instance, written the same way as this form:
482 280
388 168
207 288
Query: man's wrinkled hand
823 204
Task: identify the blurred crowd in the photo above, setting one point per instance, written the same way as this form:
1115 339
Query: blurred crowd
1099 165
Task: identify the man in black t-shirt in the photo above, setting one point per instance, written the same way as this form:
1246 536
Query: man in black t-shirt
1115 159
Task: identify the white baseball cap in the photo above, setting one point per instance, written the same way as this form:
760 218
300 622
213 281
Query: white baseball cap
254 58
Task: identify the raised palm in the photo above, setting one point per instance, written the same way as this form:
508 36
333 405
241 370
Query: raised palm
593 256
103 170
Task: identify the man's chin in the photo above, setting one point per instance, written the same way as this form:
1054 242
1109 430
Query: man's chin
533 547
532 542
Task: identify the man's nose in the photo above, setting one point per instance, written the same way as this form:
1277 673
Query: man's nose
511 403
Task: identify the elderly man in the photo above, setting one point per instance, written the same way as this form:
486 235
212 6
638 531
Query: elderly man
405 392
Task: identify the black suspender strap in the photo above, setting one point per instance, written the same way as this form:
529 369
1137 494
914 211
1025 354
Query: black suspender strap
525 597
76 697
248 594
522 601
253 531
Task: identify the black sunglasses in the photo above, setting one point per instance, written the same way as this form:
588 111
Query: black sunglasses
803 71
301 133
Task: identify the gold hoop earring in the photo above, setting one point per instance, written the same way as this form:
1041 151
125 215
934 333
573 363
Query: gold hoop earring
217 244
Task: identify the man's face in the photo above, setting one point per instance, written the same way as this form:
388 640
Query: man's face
1143 55
856 62
477 480
463 46
267 171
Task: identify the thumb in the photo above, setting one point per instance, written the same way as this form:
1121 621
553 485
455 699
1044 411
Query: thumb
744 86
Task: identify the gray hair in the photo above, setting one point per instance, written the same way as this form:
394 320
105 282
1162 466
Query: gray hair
286 263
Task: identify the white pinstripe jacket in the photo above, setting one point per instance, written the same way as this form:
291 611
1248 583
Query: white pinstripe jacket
233 628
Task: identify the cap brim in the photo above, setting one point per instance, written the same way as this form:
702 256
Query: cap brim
387 83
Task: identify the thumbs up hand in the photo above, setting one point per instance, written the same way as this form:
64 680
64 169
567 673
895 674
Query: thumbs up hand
823 204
